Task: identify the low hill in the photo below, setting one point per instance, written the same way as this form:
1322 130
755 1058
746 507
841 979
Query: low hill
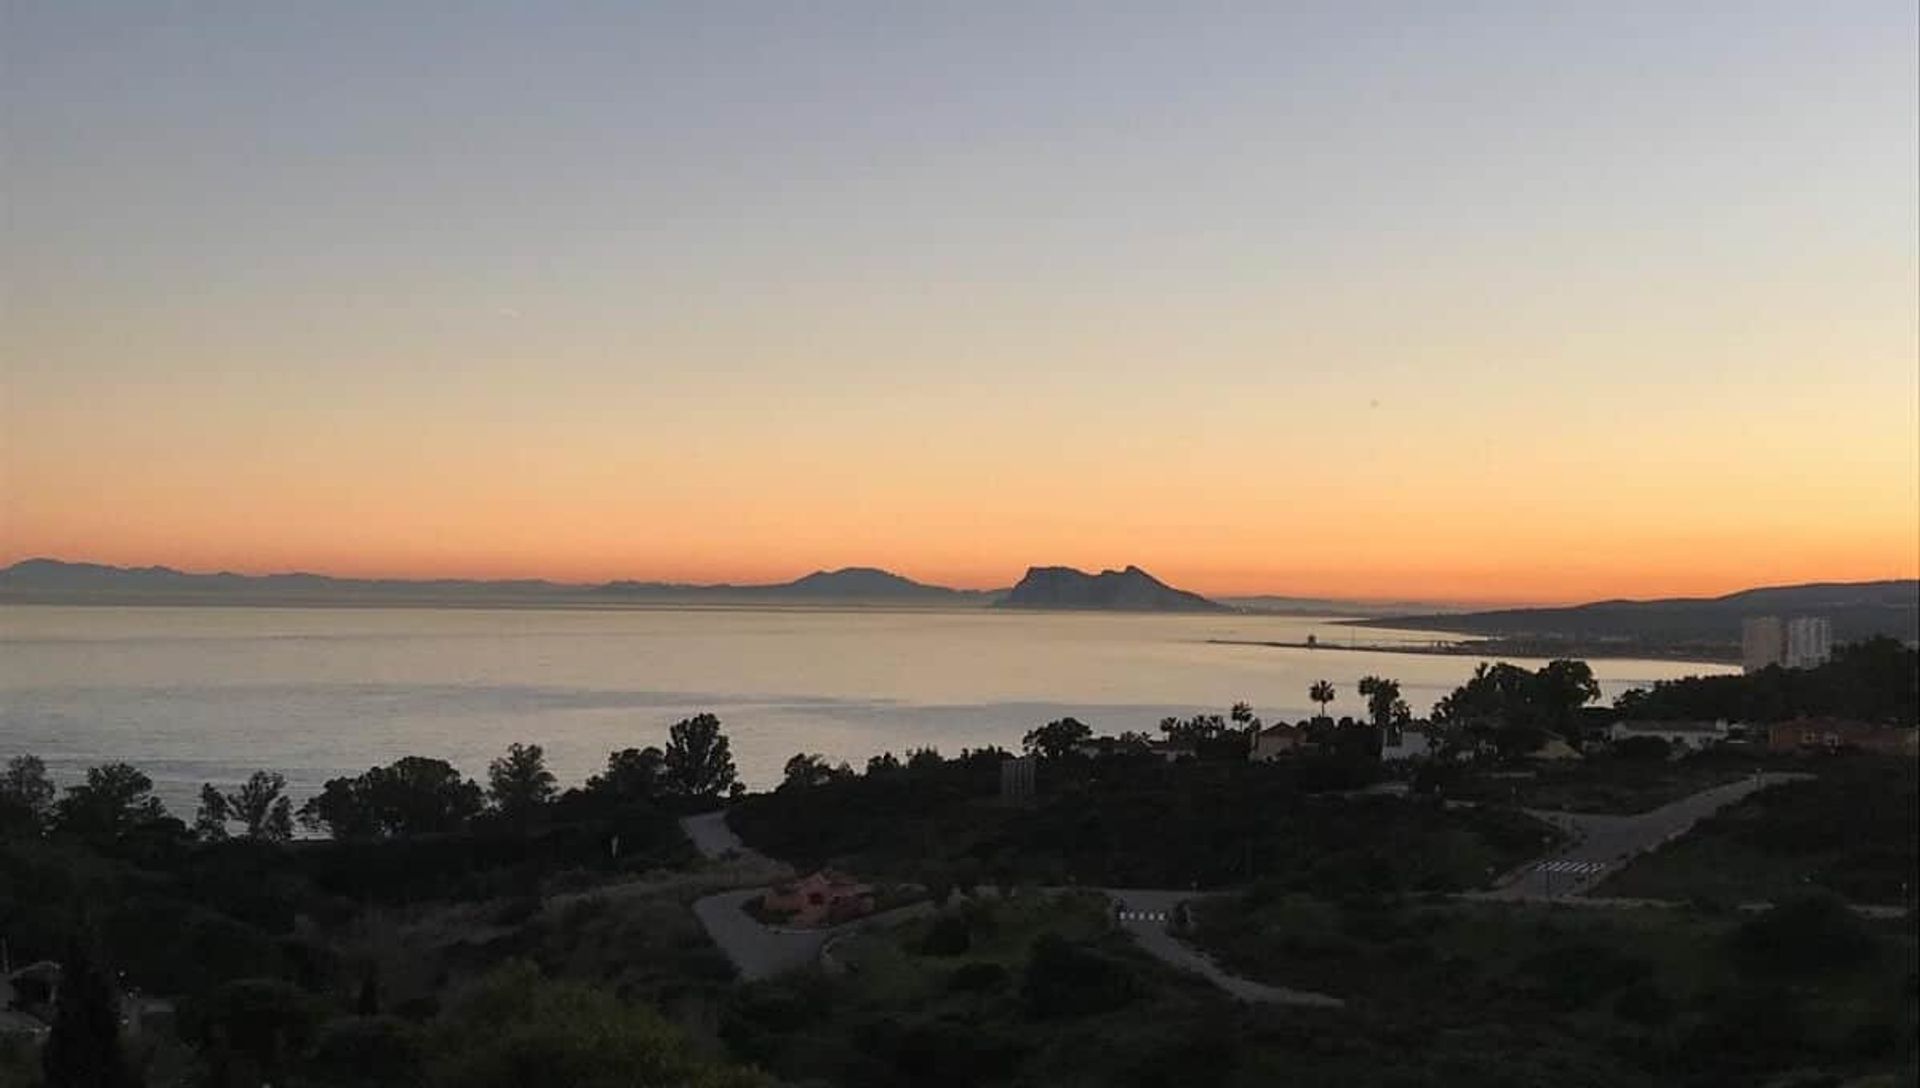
1857 610
845 584
56 581
1129 590
1336 606
39 578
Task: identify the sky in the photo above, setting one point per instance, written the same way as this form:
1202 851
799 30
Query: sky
1476 301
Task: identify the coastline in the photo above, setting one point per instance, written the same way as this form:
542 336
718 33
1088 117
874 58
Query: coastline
1502 648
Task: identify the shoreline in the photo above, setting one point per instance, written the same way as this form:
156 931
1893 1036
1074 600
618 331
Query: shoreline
1493 648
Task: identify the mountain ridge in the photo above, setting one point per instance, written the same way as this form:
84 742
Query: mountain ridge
42 577
1128 590
1856 610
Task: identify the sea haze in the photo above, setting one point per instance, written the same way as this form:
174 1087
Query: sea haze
196 694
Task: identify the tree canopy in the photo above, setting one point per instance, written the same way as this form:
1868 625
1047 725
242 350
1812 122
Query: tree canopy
632 774
698 761
1057 738
26 795
519 783
1876 680
412 795
259 805
115 798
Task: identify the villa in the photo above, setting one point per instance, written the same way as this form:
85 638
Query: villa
1277 740
820 899
1681 735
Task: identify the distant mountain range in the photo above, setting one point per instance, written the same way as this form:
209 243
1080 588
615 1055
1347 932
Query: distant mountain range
1129 590
845 584
1857 610
53 581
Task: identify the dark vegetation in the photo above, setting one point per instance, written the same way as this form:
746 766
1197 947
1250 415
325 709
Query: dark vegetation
1876 680
1030 991
1596 997
1134 820
265 946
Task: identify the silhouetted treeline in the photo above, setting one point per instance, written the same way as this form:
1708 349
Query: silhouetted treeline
1876 681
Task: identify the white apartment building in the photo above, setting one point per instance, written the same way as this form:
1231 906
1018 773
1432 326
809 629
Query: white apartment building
1802 642
1809 642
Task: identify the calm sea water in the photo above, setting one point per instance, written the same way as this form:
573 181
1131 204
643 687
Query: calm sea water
210 694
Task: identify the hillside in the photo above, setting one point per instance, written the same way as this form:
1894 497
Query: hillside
1857 609
845 584
55 581
1129 590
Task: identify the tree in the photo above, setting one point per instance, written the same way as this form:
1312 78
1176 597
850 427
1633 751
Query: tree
1561 688
1509 709
261 804
411 796
1242 715
699 762
417 796
83 1049
1197 730
884 763
115 798
1322 692
1381 695
632 774
806 769
344 808
210 819
26 796
519 783
1057 738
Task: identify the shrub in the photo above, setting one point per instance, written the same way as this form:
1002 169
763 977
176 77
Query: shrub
977 978
1643 749
1807 936
947 936
1064 979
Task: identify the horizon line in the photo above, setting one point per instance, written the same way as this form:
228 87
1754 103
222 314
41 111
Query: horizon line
1480 603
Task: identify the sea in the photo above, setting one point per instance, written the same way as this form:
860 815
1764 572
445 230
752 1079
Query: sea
211 694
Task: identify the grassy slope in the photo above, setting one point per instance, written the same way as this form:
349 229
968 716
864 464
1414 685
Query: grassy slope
1619 996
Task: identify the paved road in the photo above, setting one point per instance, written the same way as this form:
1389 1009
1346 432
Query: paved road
1603 843
756 951
711 835
1150 933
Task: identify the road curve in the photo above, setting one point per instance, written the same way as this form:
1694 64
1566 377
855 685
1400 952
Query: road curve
1604 843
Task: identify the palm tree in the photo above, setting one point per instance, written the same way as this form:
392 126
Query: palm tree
1321 692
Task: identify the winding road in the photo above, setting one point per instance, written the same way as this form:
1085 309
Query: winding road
1600 844
1604 843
